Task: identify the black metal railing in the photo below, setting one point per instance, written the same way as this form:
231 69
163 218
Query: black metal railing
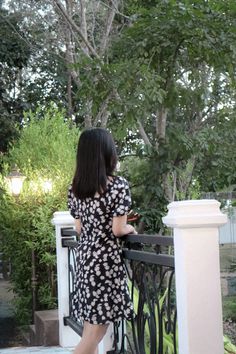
69 239
149 263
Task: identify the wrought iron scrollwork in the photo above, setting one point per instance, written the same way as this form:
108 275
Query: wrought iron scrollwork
150 274
153 331
69 240
72 271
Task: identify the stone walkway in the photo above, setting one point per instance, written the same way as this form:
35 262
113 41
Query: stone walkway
9 333
6 296
7 328
36 350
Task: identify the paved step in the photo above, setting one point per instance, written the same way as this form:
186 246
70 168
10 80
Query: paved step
33 337
36 350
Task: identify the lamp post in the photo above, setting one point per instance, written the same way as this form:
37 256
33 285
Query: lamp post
15 180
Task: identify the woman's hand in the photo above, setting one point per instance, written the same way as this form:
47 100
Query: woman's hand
120 226
134 232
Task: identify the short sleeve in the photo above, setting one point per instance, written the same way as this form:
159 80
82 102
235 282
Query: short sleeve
73 205
122 202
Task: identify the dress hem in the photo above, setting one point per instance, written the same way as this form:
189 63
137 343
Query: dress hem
105 321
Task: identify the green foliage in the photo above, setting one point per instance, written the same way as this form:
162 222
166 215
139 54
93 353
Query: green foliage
32 72
45 151
229 310
8 132
229 347
229 307
145 176
14 50
179 56
172 56
14 56
217 170
168 342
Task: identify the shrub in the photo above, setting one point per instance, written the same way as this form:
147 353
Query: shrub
45 154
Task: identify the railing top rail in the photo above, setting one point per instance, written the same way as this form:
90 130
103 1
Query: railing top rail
149 257
69 242
139 238
68 232
139 255
150 239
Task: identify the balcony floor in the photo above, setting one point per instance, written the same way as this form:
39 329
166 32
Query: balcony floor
36 350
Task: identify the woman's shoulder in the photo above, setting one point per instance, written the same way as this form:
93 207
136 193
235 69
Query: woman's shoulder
120 182
70 193
70 190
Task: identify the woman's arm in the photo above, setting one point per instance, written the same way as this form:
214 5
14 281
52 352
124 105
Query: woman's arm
120 226
78 225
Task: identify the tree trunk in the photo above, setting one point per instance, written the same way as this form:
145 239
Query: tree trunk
161 119
69 95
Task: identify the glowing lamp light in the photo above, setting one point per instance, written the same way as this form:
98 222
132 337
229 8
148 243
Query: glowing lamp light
47 186
15 180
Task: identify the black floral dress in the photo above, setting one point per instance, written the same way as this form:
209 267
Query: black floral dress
101 293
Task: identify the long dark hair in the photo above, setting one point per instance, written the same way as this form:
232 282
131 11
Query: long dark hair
96 160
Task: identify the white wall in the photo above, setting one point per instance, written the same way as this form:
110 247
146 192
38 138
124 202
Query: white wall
228 231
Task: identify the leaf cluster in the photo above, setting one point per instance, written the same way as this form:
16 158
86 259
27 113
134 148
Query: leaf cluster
14 50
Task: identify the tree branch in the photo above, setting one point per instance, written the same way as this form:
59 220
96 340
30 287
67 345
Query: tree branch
83 20
143 133
69 95
70 46
161 117
103 114
171 66
94 12
116 8
70 21
109 21
105 117
167 187
16 32
87 117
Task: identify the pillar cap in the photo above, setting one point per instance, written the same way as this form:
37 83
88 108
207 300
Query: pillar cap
194 213
62 218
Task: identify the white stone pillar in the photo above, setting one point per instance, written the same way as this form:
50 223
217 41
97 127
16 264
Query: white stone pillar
67 337
197 269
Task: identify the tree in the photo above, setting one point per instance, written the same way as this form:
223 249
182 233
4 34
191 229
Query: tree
14 54
174 71
78 33
158 73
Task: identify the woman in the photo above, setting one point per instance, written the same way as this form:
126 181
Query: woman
99 202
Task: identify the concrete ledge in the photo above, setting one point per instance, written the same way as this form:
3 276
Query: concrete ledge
46 328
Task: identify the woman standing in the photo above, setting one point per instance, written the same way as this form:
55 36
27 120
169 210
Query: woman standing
99 202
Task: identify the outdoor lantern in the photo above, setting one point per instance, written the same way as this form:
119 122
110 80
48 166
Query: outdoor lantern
47 186
15 179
